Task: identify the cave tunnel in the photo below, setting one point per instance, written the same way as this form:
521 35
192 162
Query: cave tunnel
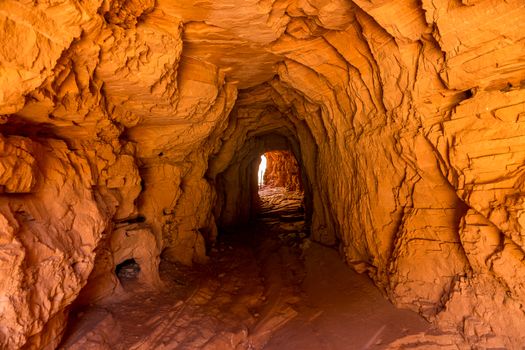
133 216
241 190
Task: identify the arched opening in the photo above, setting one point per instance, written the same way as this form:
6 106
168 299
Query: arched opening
281 195
282 170
243 189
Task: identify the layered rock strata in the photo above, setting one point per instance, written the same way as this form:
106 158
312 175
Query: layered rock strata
406 119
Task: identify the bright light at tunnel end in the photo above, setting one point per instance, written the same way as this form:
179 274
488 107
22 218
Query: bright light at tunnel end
262 170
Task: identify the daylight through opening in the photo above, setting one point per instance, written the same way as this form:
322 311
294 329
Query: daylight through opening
262 170
281 170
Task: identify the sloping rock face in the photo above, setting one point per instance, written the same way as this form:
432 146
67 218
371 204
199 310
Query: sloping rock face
406 118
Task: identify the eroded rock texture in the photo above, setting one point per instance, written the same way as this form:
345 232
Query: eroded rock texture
282 170
146 119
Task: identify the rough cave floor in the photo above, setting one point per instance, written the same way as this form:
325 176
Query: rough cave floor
266 286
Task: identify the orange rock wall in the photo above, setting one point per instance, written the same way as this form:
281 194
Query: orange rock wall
282 170
406 118
52 223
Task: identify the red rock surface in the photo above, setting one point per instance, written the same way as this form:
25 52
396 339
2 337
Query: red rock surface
282 170
147 118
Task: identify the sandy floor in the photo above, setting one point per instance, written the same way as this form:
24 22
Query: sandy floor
265 287
342 310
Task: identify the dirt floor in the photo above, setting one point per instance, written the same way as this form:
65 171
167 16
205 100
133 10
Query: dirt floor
266 286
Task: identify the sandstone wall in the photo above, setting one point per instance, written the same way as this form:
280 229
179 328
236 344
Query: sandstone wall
52 224
282 170
405 116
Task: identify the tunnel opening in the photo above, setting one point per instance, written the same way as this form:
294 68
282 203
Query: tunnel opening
270 200
281 170
281 196
266 170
